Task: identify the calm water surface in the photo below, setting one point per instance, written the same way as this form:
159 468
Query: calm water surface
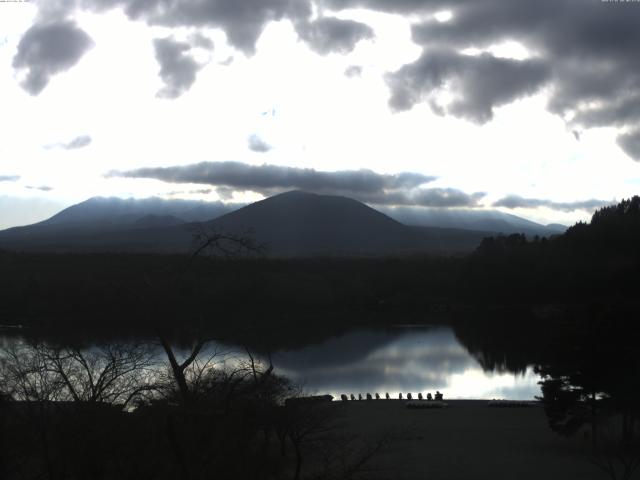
392 360
401 360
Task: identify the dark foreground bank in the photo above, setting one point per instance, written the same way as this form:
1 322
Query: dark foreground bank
466 440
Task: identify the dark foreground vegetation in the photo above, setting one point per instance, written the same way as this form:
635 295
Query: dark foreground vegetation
117 412
565 305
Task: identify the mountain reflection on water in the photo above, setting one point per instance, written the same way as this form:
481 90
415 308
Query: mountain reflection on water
400 360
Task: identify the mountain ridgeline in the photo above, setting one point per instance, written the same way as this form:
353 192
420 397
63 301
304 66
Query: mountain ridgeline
291 224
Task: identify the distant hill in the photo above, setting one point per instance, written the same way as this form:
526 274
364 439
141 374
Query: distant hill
291 224
469 219
108 223
118 212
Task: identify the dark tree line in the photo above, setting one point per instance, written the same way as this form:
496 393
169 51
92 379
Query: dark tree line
596 261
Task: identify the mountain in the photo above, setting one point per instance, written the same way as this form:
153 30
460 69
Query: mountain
119 213
299 223
556 228
291 224
468 219
91 224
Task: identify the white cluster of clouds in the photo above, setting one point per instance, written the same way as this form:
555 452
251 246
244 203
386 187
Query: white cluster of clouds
516 201
582 53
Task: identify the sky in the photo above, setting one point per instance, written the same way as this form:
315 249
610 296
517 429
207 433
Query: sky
531 107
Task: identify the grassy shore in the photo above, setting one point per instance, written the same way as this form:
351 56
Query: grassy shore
467 440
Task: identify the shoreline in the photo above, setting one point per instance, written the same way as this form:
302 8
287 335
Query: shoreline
445 400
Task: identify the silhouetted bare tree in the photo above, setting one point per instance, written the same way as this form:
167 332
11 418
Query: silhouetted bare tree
114 373
207 241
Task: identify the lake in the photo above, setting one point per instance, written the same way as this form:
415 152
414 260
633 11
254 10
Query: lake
383 360
410 359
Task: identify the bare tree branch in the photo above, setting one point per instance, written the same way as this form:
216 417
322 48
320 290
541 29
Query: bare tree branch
227 245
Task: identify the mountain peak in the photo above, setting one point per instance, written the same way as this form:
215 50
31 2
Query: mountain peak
304 194
303 223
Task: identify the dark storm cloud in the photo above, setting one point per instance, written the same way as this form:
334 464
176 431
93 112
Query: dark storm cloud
584 50
479 83
333 35
242 20
9 178
260 177
256 144
199 40
588 49
49 48
392 6
630 143
515 201
177 69
364 185
590 45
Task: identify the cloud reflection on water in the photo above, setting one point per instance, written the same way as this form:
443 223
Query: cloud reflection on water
410 360
393 360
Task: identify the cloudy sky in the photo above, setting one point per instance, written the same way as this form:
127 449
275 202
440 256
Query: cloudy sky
528 106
